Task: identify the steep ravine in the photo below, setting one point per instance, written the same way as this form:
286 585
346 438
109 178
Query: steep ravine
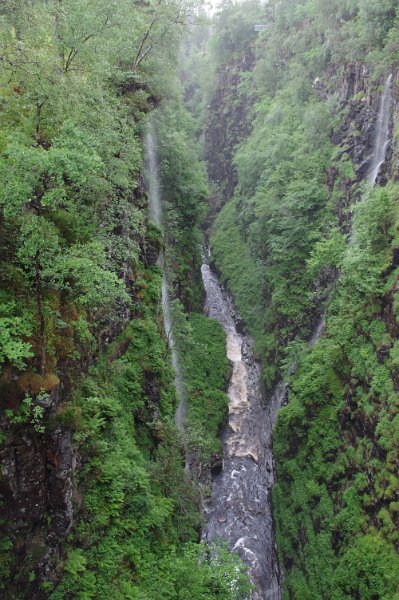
240 509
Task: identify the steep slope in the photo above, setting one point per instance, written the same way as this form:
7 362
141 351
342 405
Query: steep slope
94 499
302 234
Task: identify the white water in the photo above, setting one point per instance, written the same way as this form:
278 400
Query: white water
155 213
381 138
380 144
152 169
239 510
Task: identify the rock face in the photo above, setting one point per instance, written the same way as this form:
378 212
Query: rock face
356 130
24 476
227 124
38 461
60 465
36 497
359 101
360 98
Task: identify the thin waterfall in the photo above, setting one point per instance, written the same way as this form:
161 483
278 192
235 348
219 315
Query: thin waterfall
381 138
380 144
168 326
155 213
152 172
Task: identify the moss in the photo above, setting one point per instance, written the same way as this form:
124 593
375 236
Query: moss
50 381
240 272
34 383
202 352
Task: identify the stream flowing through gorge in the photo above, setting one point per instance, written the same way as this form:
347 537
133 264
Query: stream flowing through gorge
240 508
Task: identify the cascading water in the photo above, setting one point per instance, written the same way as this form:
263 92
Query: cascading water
152 177
240 509
381 137
380 140
155 213
380 145
379 149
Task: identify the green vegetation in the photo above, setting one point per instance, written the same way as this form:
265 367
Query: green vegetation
69 162
86 382
82 347
239 269
184 195
336 442
287 136
139 516
277 103
202 351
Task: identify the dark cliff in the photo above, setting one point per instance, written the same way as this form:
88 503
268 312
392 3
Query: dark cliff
39 491
228 123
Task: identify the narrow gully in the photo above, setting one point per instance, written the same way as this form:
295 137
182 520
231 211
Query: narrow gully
239 510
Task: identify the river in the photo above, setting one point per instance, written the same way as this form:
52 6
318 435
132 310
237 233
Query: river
240 508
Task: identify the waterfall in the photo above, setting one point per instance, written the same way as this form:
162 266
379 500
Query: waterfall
168 327
380 140
152 172
381 136
155 213
379 148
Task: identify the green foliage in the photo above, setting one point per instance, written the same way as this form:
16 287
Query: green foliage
202 352
329 252
368 568
235 26
283 203
342 413
28 412
184 194
70 157
239 271
139 515
14 330
280 241
76 80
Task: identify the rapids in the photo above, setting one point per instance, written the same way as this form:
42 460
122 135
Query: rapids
240 508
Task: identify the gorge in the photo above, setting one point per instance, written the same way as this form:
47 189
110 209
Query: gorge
199 314
240 507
